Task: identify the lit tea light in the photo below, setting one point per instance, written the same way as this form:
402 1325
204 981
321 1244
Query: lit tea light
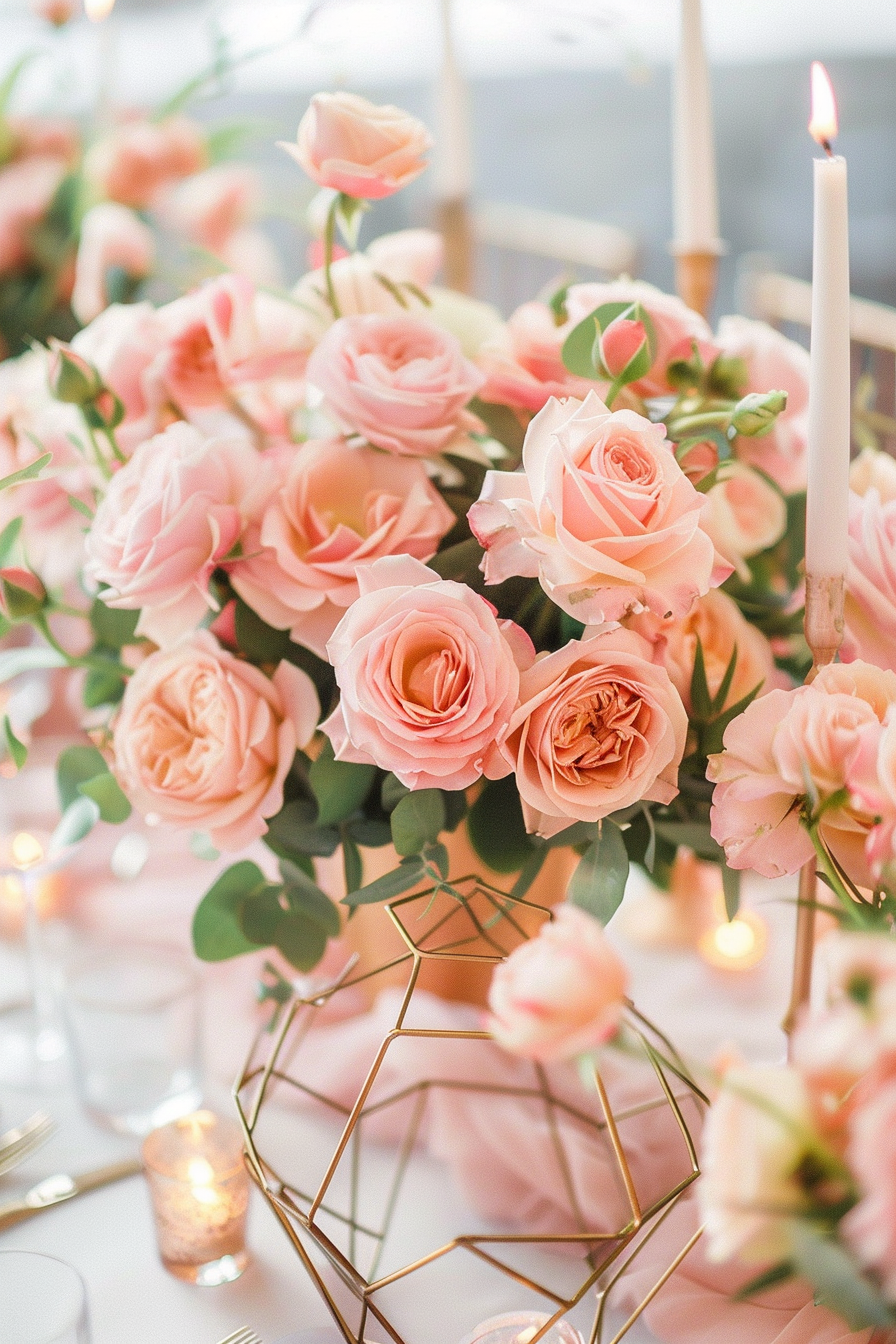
21 854
737 944
522 1327
25 850
97 10
200 1195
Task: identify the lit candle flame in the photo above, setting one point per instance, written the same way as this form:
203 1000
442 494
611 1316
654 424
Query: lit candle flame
97 10
736 944
823 122
26 849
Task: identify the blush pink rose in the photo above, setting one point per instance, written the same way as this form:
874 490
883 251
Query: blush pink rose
209 207
27 188
599 726
524 367
744 515
871 579
136 160
428 678
354 146
111 236
873 469
205 740
169 516
872 783
331 509
773 362
399 382
409 256
870 1228
674 324
601 514
561 993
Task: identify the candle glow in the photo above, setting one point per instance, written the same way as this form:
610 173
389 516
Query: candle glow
737 944
97 10
26 850
823 124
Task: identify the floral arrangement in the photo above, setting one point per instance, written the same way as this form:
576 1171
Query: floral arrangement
365 564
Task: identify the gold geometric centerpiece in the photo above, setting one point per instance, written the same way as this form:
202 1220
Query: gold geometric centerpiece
589 1173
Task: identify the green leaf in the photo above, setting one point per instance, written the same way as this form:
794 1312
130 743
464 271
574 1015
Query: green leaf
301 940
456 809
731 887
579 833
295 831
77 821
302 893
340 787
418 820
201 845
721 694
217 932
13 662
769 1278
352 866
392 793
438 856
103 687
107 794
8 538
371 834
713 736
496 828
598 883
17 750
75 766
578 347
694 834
530 870
29 473
385 888
701 700
837 1279
113 628
260 642
260 914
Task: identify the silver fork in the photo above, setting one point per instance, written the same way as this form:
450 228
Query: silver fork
19 1143
243 1336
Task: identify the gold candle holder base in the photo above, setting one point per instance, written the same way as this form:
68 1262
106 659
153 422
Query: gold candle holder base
696 278
454 222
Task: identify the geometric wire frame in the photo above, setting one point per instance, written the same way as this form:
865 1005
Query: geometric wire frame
476 923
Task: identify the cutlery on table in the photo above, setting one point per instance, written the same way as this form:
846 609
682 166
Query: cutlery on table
57 1189
19 1143
243 1336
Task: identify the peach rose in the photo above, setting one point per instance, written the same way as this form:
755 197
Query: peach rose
755 1135
870 1228
359 148
330 509
428 677
599 726
561 993
205 740
27 188
871 579
399 382
872 783
136 160
674 324
744 515
760 776
169 516
601 514
716 621
358 290
210 206
873 469
524 365
414 256
122 344
111 236
773 361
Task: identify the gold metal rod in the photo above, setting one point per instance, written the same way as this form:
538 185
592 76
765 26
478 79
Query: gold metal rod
621 1159
664 1278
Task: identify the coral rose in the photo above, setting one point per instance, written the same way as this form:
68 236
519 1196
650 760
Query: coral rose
599 726
561 993
359 148
205 740
428 677
137 159
601 514
332 508
524 364
871 579
169 516
399 382
744 515
111 236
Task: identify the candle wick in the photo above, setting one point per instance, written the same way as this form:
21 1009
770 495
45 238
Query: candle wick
826 146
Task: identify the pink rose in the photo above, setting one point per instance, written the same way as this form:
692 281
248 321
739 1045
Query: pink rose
354 146
111 236
599 726
524 365
412 256
428 678
873 469
760 776
674 324
561 993
601 514
870 1228
330 509
773 362
205 740
136 160
169 517
210 206
744 515
871 580
398 381
27 188
620 341
872 783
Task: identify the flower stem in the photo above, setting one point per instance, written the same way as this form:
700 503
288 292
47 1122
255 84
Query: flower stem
329 238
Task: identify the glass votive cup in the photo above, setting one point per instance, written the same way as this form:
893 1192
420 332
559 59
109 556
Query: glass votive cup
199 1188
132 1012
42 1300
520 1327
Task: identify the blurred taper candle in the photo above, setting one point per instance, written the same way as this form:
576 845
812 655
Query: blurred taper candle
695 201
522 1327
99 12
452 160
200 1195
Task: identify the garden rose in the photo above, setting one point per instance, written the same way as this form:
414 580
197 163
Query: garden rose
359 148
27 188
209 207
601 514
428 677
561 993
599 726
137 159
870 1228
873 469
524 365
744 515
111 236
674 324
872 783
205 740
169 516
871 579
412 256
755 1135
773 361
329 509
397 381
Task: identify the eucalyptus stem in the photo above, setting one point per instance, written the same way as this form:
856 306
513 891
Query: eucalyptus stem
833 877
329 239
699 420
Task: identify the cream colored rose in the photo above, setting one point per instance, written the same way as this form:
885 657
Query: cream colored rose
744 515
359 148
873 470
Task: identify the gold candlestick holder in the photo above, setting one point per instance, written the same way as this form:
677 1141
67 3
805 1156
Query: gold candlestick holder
363 1247
696 277
454 222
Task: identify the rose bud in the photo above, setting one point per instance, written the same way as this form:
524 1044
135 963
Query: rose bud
620 342
71 377
755 413
22 595
105 410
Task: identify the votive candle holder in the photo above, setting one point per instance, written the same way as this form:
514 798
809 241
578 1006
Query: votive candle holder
199 1188
520 1327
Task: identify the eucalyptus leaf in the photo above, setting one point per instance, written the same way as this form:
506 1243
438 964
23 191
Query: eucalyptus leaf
106 792
417 821
74 767
301 940
838 1279
13 662
17 750
352 866
370 834
340 787
294 831
217 930
400 880
78 820
303 893
392 792
496 829
598 883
